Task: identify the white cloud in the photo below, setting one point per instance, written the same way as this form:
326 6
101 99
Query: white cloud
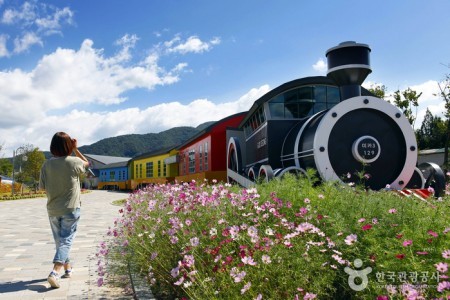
52 23
67 79
192 44
25 15
34 20
3 48
89 127
26 41
320 66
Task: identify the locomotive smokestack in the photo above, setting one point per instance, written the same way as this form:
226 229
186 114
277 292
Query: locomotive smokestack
348 66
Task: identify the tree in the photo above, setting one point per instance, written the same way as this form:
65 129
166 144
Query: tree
378 90
432 133
5 167
444 92
33 164
410 99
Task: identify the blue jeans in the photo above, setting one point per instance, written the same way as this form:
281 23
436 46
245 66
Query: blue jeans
64 229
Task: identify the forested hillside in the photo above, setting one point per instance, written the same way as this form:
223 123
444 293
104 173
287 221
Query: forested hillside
130 145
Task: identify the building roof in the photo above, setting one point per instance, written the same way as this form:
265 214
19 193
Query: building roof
114 165
154 153
107 159
209 128
5 179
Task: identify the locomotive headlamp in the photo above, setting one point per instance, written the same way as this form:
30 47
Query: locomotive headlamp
366 149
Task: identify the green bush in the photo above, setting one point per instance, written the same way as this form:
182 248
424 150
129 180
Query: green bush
283 239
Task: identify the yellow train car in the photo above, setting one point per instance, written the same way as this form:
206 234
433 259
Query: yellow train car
152 168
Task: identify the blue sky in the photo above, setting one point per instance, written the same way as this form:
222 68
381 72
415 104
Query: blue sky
97 69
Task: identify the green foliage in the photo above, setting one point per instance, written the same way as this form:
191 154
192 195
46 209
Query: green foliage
406 103
432 133
32 166
5 167
285 239
131 145
378 91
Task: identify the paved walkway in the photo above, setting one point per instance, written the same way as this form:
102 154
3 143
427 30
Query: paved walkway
27 249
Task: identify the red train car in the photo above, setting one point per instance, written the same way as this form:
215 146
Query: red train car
204 155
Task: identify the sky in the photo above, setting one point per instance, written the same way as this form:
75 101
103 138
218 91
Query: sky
98 69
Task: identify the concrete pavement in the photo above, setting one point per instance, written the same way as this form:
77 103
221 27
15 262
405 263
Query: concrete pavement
27 249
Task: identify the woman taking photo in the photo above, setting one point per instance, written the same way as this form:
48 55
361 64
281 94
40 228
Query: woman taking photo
60 178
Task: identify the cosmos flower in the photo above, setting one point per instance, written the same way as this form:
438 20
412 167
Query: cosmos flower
441 267
351 239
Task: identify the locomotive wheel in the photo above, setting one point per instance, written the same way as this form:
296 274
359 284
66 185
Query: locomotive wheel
364 135
265 173
251 174
434 177
417 181
234 155
291 170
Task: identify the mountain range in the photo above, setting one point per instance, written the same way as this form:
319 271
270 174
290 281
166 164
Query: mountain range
130 145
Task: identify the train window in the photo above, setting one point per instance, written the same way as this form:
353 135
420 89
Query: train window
200 158
192 161
320 93
149 170
319 107
276 110
305 92
206 156
262 118
333 95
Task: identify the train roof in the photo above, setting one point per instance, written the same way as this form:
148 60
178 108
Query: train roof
208 129
311 80
154 153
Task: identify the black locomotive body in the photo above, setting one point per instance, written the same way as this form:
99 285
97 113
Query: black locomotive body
330 124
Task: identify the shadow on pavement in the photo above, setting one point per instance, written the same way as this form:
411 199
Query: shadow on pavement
37 285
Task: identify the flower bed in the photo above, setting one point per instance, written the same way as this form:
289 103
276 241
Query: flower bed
282 240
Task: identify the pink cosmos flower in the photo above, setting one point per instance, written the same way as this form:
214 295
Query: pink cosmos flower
266 259
392 211
309 296
194 241
441 267
432 233
382 297
307 200
361 220
252 231
444 285
246 288
179 281
351 239
320 196
407 243
248 260
422 253
446 254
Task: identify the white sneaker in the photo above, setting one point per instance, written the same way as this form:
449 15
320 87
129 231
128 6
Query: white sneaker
53 279
68 273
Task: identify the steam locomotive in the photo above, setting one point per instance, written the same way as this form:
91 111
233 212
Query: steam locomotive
333 125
